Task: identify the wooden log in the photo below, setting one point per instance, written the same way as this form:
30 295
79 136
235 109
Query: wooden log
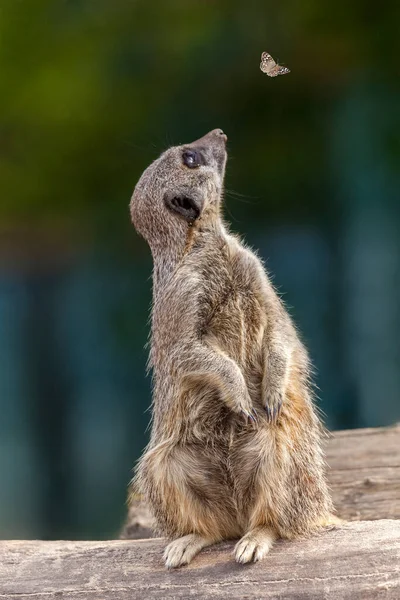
363 473
359 561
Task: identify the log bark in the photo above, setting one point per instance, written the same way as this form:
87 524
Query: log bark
360 560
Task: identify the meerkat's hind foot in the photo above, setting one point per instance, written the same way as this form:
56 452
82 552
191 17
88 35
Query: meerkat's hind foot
255 545
331 522
183 550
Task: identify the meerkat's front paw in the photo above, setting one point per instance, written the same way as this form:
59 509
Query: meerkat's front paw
250 416
273 404
255 545
245 408
183 550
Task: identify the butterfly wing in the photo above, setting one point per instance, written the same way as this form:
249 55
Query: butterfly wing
267 63
278 70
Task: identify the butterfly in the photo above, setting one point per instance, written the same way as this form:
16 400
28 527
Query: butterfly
269 66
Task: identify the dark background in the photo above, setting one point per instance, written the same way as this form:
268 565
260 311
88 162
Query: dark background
90 92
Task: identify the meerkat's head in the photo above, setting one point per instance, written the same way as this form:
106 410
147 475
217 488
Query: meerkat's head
182 187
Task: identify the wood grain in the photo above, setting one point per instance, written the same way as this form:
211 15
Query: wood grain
364 473
360 560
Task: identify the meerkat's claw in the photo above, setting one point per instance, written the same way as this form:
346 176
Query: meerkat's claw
183 550
250 417
273 406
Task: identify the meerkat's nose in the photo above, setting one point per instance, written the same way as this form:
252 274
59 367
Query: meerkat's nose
212 137
219 134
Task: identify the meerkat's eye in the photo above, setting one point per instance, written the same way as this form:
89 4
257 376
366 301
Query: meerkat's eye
192 159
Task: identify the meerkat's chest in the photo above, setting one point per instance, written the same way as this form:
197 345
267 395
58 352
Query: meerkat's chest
204 301
237 323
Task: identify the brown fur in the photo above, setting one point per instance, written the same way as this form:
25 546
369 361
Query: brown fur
223 350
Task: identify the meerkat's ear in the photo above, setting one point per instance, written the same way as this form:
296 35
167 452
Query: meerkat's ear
186 206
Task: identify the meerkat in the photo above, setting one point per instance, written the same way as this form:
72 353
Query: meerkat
235 446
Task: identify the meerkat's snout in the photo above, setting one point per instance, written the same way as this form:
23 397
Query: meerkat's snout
214 136
214 143
211 147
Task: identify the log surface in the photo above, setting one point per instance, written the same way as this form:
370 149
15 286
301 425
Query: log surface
364 473
360 560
